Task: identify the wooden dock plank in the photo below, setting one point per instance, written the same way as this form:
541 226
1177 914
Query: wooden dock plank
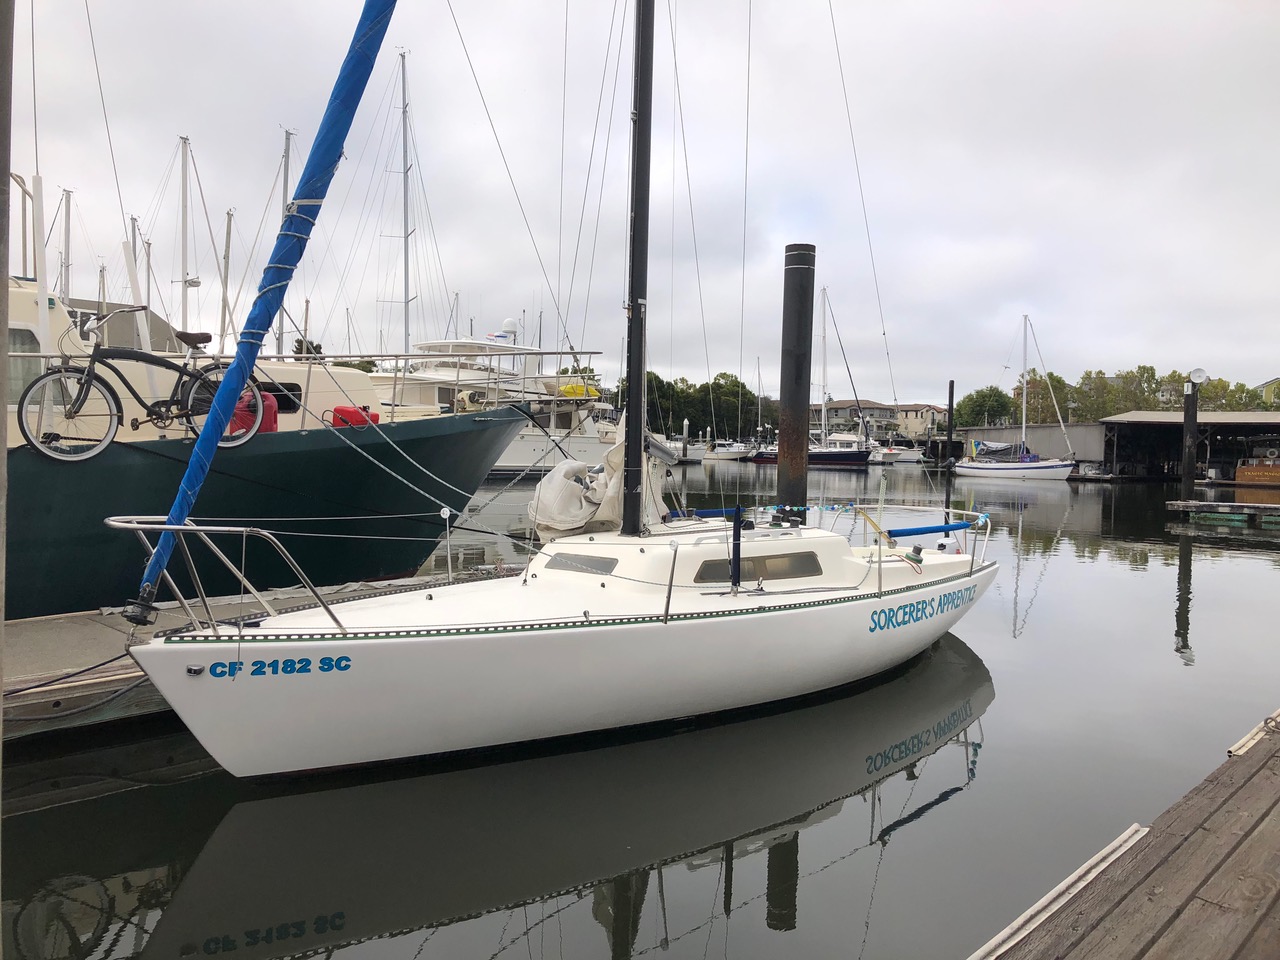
1229 904
1264 942
1143 913
1128 880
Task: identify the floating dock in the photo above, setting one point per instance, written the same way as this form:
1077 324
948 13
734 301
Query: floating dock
1202 882
1256 515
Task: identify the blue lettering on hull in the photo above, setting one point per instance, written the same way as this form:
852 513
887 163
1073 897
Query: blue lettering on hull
890 618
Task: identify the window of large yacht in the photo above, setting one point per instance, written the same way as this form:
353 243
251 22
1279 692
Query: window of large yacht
781 566
22 370
581 562
288 396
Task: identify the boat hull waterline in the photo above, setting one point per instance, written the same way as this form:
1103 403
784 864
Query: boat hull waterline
585 655
1037 470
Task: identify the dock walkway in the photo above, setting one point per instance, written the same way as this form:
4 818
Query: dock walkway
1203 882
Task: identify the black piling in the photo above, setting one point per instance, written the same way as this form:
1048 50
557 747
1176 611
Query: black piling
793 396
948 460
951 419
782 884
1190 429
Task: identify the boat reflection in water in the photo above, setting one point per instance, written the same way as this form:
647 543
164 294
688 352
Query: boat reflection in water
594 838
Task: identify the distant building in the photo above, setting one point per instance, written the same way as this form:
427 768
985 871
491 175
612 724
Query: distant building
1270 390
917 421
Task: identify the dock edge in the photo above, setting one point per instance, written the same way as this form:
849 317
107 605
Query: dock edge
1047 905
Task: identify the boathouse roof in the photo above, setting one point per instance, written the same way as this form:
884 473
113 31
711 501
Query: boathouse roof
1205 417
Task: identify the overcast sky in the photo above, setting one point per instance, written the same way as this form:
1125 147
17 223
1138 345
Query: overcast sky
1111 169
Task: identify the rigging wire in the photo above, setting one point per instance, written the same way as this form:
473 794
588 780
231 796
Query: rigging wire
746 158
35 113
257 240
102 97
564 106
862 197
604 166
693 227
555 301
217 261
845 357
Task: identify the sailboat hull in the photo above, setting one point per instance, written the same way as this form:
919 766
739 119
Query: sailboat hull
1037 470
825 457
319 699
63 558
468 842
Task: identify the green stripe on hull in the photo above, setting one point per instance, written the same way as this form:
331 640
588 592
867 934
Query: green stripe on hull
62 558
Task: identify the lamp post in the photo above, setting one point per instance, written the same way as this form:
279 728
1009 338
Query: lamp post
1190 427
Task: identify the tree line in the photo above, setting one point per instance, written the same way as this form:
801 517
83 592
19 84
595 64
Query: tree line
723 409
1097 395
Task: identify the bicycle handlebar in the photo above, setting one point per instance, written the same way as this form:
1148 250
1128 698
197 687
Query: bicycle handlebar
92 324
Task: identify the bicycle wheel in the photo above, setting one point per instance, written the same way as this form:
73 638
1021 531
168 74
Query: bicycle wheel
67 416
197 401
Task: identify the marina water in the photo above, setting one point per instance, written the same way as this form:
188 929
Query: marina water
1102 677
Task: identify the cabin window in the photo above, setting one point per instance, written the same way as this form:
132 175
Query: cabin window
445 395
288 395
581 562
781 566
22 370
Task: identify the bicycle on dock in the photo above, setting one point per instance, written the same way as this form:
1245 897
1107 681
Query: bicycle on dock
72 412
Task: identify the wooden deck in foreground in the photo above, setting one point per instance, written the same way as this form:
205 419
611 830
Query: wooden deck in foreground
1203 883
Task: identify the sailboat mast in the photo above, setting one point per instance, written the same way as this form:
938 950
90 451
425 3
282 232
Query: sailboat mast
1025 321
404 148
824 364
186 154
66 246
638 272
759 402
284 215
225 317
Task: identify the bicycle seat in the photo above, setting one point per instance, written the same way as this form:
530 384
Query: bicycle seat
192 338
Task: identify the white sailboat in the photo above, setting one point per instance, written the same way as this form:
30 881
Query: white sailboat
1018 464
653 619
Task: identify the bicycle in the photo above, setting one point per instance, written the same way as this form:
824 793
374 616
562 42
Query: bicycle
72 412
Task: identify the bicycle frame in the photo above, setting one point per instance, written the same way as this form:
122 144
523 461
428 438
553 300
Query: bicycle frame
102 356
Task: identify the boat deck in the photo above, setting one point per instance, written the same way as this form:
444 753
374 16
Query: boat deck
1202 882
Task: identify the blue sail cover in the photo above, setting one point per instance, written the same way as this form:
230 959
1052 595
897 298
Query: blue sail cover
313 184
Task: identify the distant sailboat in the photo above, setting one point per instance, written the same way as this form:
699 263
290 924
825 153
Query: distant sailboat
984 460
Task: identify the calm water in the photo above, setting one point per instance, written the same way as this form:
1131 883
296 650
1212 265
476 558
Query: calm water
1104 675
